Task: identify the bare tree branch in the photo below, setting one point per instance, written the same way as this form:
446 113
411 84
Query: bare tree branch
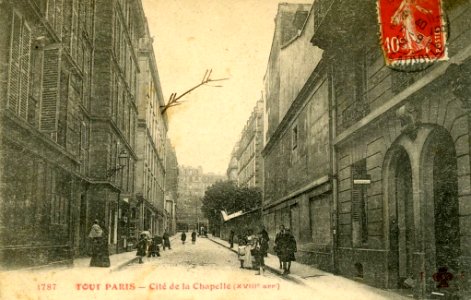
173 100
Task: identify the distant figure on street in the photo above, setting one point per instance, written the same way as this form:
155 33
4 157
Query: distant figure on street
231 239
193 237
141 247
183 237
241 253
278 244
166 240
288 250
99 246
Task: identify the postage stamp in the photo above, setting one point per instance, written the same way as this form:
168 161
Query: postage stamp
412 31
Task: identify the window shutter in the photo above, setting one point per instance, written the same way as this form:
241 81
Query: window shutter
50 97
25 65
15 55
356 203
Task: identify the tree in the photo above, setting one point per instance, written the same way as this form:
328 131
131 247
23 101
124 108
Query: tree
227 196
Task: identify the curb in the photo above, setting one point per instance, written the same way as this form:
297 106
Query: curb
123 264
267 267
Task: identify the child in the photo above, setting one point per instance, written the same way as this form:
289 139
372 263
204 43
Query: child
141 247
241 251
183 237
154 248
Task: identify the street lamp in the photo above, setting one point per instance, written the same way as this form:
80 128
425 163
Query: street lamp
122 160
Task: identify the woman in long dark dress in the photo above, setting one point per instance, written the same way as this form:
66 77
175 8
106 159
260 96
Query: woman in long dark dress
279 244
289 248
141 248
99 244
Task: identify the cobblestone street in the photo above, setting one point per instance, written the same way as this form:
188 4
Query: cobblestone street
189 271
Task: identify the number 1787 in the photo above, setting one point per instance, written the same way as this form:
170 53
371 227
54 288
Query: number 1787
46 286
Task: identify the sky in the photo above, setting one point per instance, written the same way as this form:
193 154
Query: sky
231 37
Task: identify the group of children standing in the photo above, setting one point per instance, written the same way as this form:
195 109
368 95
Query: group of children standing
150 246
252 250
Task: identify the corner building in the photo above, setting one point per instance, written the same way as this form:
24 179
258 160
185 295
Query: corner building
298 182
46 92
407 136
151 143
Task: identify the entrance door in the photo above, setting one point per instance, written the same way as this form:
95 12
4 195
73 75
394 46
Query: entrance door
401 220
405 216
446 207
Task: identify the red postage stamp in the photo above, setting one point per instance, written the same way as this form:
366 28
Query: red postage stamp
412 31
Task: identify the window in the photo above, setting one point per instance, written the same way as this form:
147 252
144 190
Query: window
18 79
359 204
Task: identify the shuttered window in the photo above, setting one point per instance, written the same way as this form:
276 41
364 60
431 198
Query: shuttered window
50 96
20 61
55 15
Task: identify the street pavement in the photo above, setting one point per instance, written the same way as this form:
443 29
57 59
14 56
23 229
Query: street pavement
320 281
204 270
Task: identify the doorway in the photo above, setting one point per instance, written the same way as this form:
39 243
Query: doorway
401 218
443 213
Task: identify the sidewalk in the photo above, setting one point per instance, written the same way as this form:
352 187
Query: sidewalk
117 261
318 280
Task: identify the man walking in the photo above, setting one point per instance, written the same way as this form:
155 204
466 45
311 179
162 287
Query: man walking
166 240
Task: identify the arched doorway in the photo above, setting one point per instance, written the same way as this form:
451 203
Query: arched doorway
441 222
401 218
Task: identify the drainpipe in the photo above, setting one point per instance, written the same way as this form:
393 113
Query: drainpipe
333 167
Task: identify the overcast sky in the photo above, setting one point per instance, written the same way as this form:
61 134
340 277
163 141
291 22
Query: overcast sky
232 37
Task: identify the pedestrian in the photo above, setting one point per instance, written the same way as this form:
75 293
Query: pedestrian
278 242
154 249
261 248
250 245
288 251
183 237
141 247
241 253
99 246
265 239
193 237
166 240
231 239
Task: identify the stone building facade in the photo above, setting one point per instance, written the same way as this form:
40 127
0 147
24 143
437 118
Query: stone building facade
407 134
68 126
192 183
171 187
119 27
379 156
151 143
249 157
246 163
298 187
46 53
